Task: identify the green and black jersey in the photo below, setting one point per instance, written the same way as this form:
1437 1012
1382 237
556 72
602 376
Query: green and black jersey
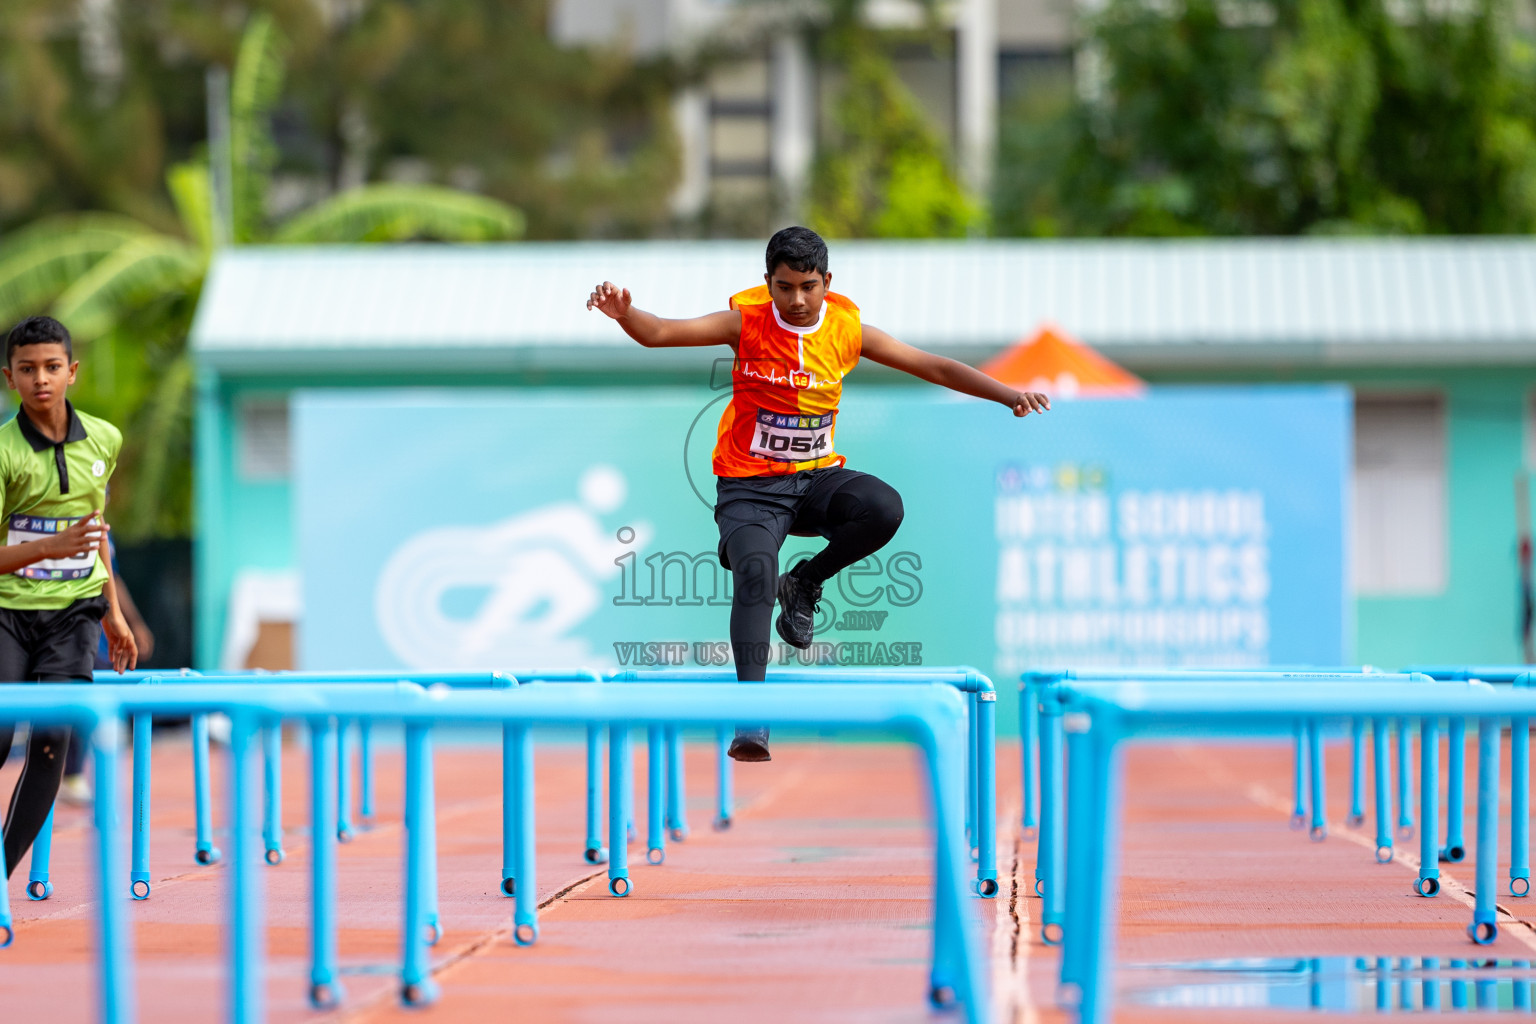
49 487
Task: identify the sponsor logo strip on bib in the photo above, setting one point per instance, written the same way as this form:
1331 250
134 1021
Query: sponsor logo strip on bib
792 437
29 528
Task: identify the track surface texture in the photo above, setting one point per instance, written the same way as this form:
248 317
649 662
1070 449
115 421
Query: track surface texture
813 906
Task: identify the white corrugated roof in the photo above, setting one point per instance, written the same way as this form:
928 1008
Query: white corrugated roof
1399 299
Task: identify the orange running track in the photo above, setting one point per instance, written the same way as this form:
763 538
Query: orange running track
813 907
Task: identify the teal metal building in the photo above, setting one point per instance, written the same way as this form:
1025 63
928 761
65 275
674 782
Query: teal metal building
1437 338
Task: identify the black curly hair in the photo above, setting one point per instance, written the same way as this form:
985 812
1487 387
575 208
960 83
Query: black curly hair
38 330
798 249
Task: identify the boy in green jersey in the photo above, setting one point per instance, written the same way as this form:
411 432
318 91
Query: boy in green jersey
56 590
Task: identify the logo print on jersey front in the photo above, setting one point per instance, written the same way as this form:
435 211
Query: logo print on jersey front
99 468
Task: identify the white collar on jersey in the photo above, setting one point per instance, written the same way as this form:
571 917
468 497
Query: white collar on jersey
802 331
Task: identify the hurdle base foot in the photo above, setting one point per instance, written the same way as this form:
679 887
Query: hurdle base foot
420 993
326 995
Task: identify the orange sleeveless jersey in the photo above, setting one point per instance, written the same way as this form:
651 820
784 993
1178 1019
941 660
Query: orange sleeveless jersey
786 388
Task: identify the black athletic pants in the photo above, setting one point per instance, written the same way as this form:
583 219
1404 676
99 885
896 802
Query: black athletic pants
858 518
38 785
50 646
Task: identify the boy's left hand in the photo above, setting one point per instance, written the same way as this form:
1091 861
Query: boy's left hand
121 647
1026 402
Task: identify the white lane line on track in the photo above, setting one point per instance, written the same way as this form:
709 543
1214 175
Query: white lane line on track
1010 950
460 955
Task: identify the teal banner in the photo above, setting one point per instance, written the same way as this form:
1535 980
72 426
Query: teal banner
497 529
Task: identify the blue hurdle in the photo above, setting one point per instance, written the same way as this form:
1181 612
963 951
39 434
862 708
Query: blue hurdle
1455 845
1305 743
975 684
1520 799
1103 715
981 765
39 885
1050 837
930 716
207 853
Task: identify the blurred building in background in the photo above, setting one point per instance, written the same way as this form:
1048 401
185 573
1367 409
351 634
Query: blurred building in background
750 131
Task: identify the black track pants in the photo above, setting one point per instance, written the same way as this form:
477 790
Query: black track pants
38 785
861 517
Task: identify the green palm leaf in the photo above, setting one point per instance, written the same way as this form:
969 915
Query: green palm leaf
191 189
255 88
396 213
137 271
39 262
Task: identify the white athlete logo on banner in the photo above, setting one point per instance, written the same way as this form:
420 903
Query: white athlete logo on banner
541 571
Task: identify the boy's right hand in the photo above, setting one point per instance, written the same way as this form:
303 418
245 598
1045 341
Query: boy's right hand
611 299
83 538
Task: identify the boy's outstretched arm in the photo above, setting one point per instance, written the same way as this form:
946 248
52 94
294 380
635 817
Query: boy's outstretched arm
949 373
723 328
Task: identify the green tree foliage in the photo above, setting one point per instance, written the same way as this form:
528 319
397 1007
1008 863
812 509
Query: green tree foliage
127 290
72 138
468 92
882 171
1276 117
580 140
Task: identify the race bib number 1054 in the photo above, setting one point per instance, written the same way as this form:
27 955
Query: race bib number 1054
792 437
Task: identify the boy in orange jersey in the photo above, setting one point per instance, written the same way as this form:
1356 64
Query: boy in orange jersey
776 470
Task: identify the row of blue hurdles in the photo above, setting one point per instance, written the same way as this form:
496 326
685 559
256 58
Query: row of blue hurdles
948 713
1080 720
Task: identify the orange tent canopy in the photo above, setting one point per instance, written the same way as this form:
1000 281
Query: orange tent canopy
1059 365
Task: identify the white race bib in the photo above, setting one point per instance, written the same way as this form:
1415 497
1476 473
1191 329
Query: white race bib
28 528
792 437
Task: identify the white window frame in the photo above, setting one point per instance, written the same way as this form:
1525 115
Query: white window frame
1415 473
268 456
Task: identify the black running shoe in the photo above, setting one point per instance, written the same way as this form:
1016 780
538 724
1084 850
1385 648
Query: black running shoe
750 745
798 600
